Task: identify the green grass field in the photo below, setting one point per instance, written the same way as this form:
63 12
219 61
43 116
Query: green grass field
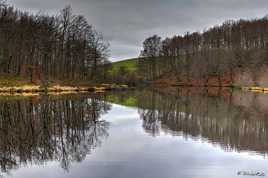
129 65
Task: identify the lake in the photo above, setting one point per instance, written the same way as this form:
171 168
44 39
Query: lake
146 133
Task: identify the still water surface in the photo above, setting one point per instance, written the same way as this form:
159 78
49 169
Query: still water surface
146 134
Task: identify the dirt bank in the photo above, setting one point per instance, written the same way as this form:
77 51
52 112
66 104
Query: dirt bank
242 78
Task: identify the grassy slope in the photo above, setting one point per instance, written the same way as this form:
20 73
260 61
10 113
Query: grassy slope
130 65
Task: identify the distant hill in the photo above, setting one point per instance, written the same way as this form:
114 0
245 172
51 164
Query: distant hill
130 65
124 72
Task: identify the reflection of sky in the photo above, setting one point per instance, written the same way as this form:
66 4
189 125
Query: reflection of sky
129 152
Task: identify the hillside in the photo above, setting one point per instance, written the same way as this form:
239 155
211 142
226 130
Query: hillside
242 77
129 65
124 72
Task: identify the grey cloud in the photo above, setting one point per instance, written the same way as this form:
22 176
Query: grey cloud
125 23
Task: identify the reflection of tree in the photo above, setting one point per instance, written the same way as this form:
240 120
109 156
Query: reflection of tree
229 124
60 129
151 122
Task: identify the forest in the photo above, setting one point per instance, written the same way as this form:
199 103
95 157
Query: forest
45 49
235 52
41 48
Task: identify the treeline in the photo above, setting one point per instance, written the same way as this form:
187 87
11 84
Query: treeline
43 47
220 50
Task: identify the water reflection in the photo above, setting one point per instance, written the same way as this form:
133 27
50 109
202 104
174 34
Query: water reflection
235 120
37 130
65 129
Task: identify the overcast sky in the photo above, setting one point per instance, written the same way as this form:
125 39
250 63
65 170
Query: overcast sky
126 23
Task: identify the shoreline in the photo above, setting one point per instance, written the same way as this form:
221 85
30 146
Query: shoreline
35 90
263 90
57 89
